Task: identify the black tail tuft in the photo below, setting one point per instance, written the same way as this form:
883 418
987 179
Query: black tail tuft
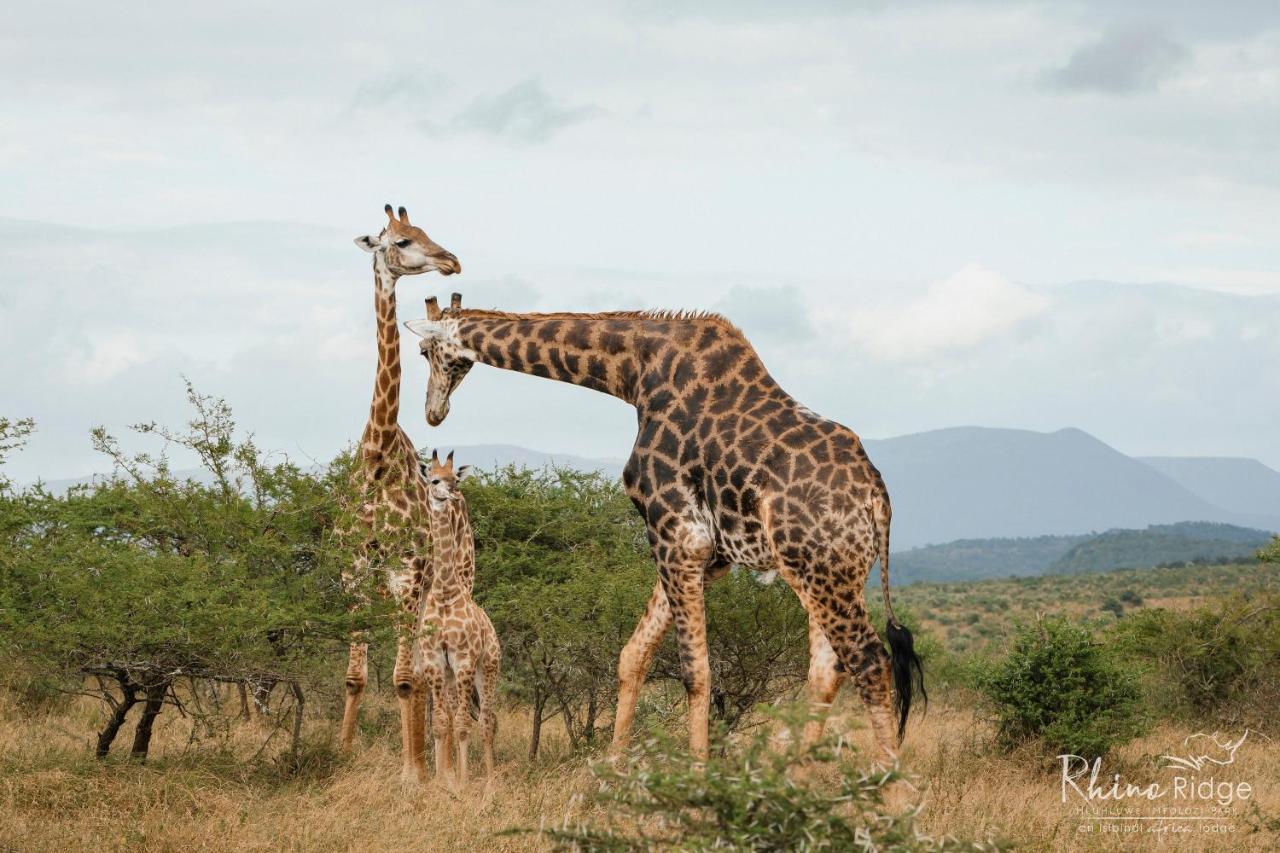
908 674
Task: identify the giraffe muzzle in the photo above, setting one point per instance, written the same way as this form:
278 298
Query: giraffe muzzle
448 264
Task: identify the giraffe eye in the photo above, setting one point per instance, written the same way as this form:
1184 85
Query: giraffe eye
436 481
403 244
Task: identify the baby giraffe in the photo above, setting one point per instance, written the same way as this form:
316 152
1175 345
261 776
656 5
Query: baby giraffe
461 649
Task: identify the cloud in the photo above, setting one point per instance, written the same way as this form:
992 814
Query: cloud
1120 62
957 313
525 113
408 90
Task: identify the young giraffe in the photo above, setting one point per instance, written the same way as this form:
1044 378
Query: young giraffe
393 514
727 469
461 650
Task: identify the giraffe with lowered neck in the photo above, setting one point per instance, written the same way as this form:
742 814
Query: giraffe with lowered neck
461 651
727 469
392 527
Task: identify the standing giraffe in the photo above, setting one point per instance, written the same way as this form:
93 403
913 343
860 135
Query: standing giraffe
392 517
461 651
727 469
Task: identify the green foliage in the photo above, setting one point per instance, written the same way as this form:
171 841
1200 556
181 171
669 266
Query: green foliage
1220 662
1056 685
1271 553
563 570
765 795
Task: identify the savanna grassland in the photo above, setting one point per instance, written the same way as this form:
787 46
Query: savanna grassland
207 790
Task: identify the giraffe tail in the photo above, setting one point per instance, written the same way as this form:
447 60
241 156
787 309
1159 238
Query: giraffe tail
908 673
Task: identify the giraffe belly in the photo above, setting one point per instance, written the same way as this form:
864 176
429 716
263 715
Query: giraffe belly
750 552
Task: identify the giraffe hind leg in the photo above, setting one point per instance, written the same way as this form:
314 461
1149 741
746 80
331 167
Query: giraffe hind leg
860 652
825 679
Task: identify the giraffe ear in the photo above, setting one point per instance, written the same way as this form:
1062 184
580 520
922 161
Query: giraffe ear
424 328
368 243
463 472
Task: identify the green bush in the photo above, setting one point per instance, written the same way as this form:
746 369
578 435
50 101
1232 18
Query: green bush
770 794
1059 687
1221 662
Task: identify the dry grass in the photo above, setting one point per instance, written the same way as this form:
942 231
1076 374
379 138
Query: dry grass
54 796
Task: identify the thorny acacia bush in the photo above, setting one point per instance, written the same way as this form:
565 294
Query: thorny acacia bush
123 586
1059 687
769 793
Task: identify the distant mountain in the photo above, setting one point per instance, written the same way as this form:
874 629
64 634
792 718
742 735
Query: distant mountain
1243 486
489 456
1161 545
975 482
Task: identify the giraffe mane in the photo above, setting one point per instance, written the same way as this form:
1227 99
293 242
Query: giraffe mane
665 314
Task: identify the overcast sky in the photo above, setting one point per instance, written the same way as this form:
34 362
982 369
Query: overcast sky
924 214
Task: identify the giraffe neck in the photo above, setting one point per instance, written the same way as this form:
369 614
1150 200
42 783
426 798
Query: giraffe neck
633 356
384 412
454 548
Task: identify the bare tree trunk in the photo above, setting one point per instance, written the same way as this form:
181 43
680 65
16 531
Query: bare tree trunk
535 739
298 703
142 737
244 700
119 711
589 725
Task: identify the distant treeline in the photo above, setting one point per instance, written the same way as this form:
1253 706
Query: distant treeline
1157 545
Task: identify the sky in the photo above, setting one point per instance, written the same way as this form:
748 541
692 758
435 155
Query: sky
1032 215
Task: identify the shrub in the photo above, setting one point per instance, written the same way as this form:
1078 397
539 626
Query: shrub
1221 661
771 794
1057 686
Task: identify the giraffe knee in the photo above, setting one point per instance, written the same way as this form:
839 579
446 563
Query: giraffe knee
355 686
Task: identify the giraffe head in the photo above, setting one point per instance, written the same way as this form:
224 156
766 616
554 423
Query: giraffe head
407 249
442 479
448 358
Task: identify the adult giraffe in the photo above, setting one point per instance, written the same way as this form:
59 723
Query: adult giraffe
392 520
727 469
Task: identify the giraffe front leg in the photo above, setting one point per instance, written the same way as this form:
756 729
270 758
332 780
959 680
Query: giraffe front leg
634 662
357 677
683 584
487 684
465 675
405 682
442 713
